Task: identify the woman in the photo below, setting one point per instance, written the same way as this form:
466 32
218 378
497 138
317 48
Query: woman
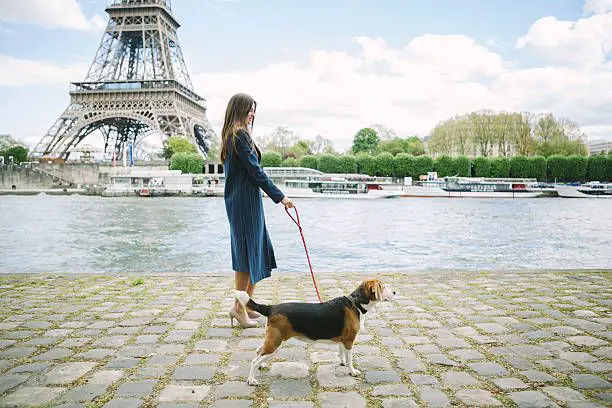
252 252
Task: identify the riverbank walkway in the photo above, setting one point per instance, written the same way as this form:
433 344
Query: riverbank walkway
473 339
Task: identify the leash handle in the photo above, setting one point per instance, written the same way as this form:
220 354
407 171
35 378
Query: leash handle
296 220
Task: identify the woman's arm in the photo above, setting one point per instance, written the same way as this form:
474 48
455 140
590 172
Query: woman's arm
248 157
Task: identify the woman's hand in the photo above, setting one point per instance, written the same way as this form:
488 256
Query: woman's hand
287 202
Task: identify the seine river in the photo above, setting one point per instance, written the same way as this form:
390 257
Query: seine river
109 235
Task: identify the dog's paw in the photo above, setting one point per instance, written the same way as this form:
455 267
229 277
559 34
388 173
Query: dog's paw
264 366
342 363
252 381
355 372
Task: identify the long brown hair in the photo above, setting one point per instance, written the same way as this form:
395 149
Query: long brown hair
236 114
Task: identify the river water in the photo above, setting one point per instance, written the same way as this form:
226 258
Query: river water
185 235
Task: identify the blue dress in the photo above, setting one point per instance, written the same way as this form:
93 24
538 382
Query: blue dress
251 246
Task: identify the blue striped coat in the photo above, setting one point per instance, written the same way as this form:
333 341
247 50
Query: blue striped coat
251 246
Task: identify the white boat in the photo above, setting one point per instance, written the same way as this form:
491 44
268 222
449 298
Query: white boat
134 181
325 186
472 187
593 189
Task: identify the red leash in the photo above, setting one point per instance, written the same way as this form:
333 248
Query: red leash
297 222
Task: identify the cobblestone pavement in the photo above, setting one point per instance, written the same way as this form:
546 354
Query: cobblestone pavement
526 339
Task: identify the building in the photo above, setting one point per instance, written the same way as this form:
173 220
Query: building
600 146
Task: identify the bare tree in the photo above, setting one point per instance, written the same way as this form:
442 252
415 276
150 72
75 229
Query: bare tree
383 132
321 145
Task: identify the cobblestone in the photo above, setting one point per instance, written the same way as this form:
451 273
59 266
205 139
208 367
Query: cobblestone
520 339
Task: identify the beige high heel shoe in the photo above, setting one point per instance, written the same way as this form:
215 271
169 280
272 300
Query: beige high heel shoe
242 319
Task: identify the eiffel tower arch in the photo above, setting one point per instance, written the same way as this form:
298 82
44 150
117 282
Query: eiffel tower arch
137 87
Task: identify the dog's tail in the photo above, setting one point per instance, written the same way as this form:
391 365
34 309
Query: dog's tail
246 301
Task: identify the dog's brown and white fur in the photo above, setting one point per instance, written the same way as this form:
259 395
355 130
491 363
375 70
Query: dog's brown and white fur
338 320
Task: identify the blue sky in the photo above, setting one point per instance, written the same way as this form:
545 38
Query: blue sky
332 67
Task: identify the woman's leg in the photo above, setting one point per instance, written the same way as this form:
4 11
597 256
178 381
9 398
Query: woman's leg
250 289
242 282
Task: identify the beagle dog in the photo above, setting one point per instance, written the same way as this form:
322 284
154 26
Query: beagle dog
337 320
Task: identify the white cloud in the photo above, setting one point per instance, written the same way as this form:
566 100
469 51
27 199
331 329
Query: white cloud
408 88
16 72
585 42
597 6
50 14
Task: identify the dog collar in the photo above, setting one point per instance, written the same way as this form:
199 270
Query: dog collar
357 305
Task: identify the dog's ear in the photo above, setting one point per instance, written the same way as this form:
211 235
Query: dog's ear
378 290
374 288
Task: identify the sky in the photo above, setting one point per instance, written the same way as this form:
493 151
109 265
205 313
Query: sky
332 67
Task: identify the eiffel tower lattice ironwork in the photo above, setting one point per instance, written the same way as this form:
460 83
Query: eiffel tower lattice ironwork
137 86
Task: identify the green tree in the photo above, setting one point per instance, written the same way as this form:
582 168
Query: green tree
19 153
609 167
444 166
366 164
519 167
301 148
403 163
384 164
482 166
347 164
289 162
393 146
537 167
463 166
328 163
414 146
365 141
422 165
577 168
596 167
177 144
271 159
499 167
557 167
308 161
191 163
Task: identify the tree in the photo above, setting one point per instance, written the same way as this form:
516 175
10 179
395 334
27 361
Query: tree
347 164
289 162
321 145
308 161
383 132
484 131
384 164
19 153
519 167
365 141
523 138
271 159
366 164
301 148
499 167
444 166
403 163
423 165
413 145
482 166
577 168
463 166
328 163
280 141
537 167
557 167
393 146
596 167
188 163
177 144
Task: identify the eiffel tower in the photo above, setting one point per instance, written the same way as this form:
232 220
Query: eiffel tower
137 86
